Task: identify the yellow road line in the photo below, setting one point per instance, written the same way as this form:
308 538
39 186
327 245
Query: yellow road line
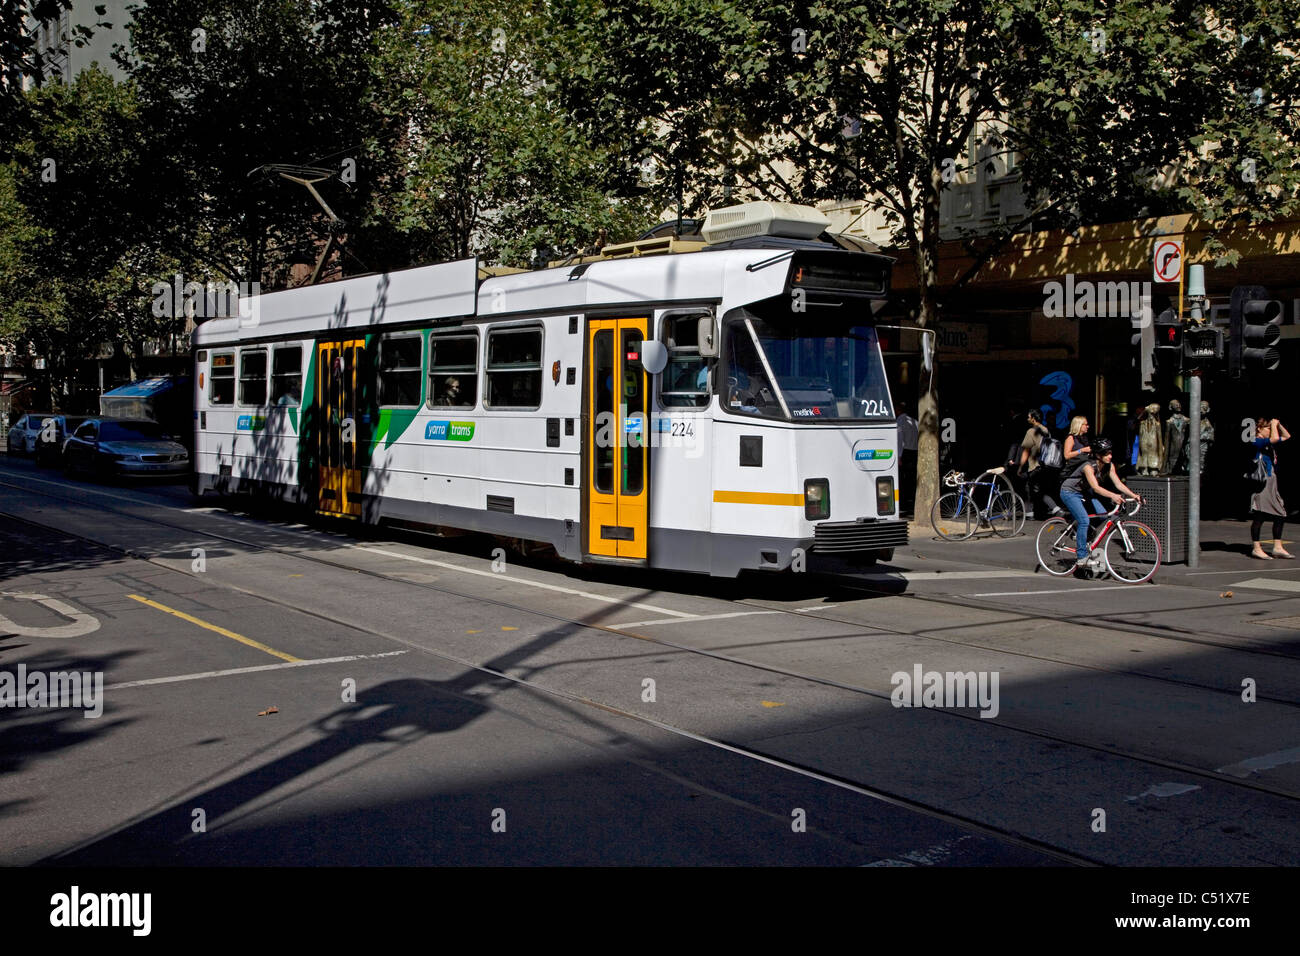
756 498
220 630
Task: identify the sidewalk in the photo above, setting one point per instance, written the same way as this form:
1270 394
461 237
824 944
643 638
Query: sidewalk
1225 546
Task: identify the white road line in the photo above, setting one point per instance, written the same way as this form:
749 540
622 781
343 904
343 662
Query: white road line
1081 587
938 575
1268 584
1282 570
1266 762
250 670
82 623
532 584
690 620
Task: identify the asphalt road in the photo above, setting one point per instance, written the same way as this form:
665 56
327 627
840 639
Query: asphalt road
440 702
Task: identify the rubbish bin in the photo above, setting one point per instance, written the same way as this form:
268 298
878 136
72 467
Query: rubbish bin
1165 512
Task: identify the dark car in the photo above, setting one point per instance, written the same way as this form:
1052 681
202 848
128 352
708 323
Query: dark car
50 440
110 447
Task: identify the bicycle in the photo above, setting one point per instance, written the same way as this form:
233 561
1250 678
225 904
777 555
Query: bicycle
1130 549
956 515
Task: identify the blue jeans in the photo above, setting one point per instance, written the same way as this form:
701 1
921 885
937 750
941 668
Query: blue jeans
1073 502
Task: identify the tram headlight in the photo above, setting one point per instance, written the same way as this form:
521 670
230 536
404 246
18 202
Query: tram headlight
885 495
817 499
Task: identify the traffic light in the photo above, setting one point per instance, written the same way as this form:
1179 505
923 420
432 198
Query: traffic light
1202 346
1169 342
1255 330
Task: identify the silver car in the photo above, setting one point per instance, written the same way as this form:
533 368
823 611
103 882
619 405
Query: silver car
109 447
26 432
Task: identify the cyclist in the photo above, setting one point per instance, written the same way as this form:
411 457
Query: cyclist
1100 468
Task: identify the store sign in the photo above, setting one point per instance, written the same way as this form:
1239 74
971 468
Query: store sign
963 337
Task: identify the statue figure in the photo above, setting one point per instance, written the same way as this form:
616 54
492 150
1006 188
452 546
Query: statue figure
1151 442
1207 434
1176 451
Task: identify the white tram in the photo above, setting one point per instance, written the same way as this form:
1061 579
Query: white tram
710 411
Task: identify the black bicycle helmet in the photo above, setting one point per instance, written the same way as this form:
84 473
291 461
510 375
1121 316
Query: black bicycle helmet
1101 447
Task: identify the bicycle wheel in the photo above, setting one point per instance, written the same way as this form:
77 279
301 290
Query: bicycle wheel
1007 514
954 516
1056 549
1132 552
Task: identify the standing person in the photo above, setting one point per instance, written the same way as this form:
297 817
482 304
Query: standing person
1037 479
1098 466
1076 445
908 435
1267 502
1076 451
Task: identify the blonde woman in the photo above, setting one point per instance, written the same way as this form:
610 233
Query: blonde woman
1077 444
1078 452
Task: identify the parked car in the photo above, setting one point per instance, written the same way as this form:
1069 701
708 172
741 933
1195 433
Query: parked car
109 447
25 432
49 444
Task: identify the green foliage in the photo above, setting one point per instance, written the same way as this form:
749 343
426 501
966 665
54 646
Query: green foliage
1094 97
482 159
76 260
227 87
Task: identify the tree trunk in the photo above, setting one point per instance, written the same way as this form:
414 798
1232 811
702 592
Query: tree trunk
927 418
926 257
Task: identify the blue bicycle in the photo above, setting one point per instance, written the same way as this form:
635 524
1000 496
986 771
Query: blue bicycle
958 514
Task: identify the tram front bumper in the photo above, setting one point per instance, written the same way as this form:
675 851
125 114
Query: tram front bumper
865 534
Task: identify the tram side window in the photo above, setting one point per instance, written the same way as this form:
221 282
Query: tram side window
514 368
453 371
286 376
399 370
252 377
684 383
221 379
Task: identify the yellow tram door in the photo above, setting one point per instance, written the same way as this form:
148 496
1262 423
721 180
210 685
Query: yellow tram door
618 436
339 477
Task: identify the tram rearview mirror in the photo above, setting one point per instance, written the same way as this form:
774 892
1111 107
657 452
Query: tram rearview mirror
706 337
654 356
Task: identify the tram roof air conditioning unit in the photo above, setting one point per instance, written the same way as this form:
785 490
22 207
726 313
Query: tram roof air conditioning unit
763 219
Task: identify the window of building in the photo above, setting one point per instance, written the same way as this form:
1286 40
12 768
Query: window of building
684 383
453 370
286 376
514 368
221 379
399 370
252 377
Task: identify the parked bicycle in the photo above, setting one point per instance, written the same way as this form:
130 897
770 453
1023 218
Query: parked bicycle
958 514
1127 549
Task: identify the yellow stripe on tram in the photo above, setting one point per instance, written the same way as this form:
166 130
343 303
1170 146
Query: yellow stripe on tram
757 498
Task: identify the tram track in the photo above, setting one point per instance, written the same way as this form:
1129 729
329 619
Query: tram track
1000 834
1037 734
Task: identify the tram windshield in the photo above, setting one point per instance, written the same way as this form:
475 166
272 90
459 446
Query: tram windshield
823 370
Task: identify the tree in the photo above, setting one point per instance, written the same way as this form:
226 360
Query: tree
1095 97
76 257
481 159
227 87
20 55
